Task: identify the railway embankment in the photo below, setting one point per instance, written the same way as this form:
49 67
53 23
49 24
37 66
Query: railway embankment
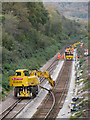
80 102
76 104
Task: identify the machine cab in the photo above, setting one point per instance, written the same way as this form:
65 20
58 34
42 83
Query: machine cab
23 72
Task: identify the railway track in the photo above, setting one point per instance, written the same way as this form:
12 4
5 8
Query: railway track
50 107
6 111
13 110
52 66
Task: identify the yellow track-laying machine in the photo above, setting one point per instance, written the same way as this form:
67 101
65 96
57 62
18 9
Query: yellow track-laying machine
69 53
26 82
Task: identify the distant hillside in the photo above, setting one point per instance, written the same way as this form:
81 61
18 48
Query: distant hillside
73 10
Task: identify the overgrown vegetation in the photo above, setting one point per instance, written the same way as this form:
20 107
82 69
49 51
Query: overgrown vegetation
82 104
82 112
31 35
82 60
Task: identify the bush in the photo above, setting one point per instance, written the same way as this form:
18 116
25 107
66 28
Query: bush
82 60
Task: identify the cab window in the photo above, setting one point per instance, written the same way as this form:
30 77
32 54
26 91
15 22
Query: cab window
18 74
26 73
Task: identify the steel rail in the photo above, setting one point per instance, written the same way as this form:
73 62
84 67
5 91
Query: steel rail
53 100
65 87
20 110
66 82
50 68
7 111
54 103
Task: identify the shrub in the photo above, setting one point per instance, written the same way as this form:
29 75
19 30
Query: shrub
82 60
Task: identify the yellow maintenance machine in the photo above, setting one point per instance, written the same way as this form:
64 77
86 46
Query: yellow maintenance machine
26 82
74 45
69 53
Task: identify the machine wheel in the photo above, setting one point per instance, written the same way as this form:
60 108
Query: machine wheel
34 91
15 92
